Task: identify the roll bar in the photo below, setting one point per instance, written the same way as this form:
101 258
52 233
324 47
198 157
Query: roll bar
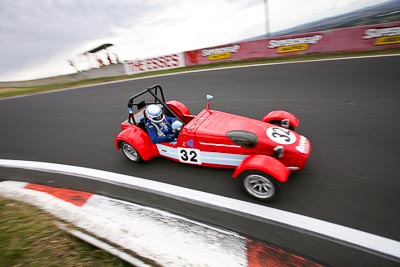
156 92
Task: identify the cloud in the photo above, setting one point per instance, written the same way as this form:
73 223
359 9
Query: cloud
35 33
37 38
195 24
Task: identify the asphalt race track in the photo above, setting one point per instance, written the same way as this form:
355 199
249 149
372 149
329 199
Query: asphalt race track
349 109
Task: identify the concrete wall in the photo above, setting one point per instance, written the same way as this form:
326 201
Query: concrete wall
106 71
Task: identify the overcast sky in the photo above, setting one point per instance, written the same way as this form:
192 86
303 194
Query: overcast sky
37 38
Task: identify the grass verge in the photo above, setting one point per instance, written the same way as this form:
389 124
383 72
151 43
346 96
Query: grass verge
29 237
8 92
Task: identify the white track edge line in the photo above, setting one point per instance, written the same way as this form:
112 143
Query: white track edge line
366 240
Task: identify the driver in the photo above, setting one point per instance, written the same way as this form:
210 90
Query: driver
159 126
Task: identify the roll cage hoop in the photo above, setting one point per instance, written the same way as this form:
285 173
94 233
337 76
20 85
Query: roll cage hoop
157 94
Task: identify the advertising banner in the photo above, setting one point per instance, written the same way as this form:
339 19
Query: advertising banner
152 64
363 38
230 52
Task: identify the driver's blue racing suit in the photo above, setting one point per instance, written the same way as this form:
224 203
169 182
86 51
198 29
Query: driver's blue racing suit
162 131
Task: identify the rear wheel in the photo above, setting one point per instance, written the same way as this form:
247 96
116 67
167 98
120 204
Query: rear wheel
259 185
130 152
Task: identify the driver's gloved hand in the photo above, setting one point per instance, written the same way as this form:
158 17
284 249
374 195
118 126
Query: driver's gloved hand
171 137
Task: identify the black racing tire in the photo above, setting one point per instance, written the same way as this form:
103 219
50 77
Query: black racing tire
130 152
259 185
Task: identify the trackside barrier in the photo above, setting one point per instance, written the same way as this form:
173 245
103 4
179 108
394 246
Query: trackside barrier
363 38
356 39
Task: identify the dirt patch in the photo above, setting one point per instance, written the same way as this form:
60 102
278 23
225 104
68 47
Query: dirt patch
7 89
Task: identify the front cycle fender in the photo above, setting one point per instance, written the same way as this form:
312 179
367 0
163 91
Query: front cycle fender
266 164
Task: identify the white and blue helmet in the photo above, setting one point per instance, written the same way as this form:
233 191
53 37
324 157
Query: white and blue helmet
154 113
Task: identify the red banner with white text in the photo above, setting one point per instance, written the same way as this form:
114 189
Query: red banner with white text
152 64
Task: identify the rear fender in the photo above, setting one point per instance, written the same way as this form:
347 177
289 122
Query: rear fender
139 139
279 115
266 164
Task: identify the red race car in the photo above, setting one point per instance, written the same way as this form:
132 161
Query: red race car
261 152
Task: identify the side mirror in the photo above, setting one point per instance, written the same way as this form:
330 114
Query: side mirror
176 125
209 98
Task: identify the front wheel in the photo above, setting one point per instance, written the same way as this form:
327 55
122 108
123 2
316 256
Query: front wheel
259 185
130 152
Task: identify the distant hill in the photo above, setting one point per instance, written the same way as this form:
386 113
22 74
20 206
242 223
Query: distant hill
376 14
